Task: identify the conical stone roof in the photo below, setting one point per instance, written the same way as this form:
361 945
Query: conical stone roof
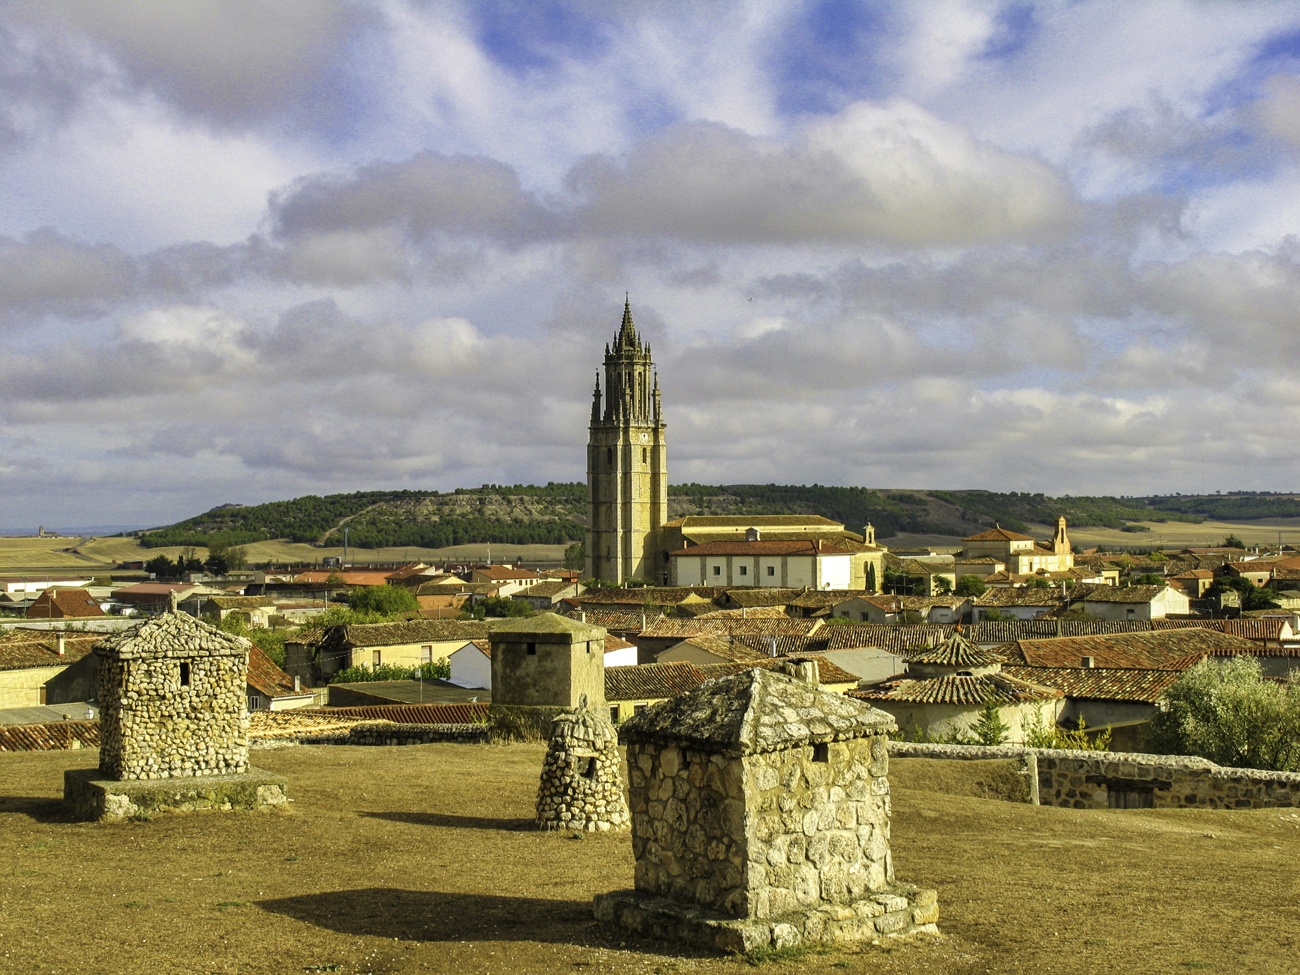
171 635
956 651
755 711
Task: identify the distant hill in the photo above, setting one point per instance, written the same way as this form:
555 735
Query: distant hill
556 513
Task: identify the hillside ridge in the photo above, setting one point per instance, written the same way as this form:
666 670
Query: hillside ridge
556 513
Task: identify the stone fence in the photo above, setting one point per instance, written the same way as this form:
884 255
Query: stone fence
1126 780
387 733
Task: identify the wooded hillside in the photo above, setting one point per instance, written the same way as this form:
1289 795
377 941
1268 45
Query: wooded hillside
556 513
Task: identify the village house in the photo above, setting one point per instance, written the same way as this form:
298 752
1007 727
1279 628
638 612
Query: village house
21 588
255 610
667 633
66 604
1021 554
31 660
471 665
1022 603
546 595
406 644
508 579
270 688
817 563
946 689
1135 602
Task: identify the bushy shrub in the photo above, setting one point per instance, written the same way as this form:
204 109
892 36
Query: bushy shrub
436 670
1225 710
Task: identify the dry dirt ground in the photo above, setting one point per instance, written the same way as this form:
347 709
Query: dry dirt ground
423 859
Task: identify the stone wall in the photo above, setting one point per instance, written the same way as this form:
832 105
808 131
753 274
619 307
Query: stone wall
387 733
1102 780
164 717
817 828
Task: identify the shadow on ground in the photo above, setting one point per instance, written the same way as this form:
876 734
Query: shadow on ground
40 808
423 915
455 822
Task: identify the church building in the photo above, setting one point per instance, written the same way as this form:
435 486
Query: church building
627 466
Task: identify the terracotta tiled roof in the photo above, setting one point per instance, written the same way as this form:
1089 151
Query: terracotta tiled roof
829 673
683 629
764 597
1260 629
1156 650
265 677
998 535
655 595
787 547
1123 594
825 598
53 736
622 621
752 521
466 713
505 573
1100 684
68 602
896 639
651 682
1044 596
456 588
242 602
20 649
960 691
995 632
746 613
726 648
410 631
549 588
956 651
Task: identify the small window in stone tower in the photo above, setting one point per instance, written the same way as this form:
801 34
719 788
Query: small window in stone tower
609 455
532 648
645 456
589 772
185 675
821 752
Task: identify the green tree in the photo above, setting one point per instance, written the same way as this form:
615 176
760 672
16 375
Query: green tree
1039 734
575 556
1232 541
1148 579
161 567
970 585
990 729
1225 710
942 587
1252 596
391 601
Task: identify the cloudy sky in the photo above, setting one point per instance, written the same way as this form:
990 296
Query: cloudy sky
254 249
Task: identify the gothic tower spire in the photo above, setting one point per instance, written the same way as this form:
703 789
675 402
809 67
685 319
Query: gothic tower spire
627 466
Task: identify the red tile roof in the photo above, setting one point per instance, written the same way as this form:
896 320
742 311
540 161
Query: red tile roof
63 603
1175 649
998 534
960 691
651 682
52 736
265 677
1100 683
788 547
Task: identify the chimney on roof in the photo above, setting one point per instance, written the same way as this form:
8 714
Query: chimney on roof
753 535
59 644
297 684
1088 663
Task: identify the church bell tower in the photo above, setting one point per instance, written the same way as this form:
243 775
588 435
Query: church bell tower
627 465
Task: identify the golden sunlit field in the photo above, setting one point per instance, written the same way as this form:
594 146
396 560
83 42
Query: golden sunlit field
424 859
27 555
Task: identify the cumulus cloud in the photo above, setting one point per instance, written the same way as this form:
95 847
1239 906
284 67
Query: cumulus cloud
875 173
229 62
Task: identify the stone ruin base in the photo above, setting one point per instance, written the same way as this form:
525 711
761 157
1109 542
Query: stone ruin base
91 796
898 912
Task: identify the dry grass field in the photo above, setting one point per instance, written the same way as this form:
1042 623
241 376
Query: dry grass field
19 556
423 859
28 555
